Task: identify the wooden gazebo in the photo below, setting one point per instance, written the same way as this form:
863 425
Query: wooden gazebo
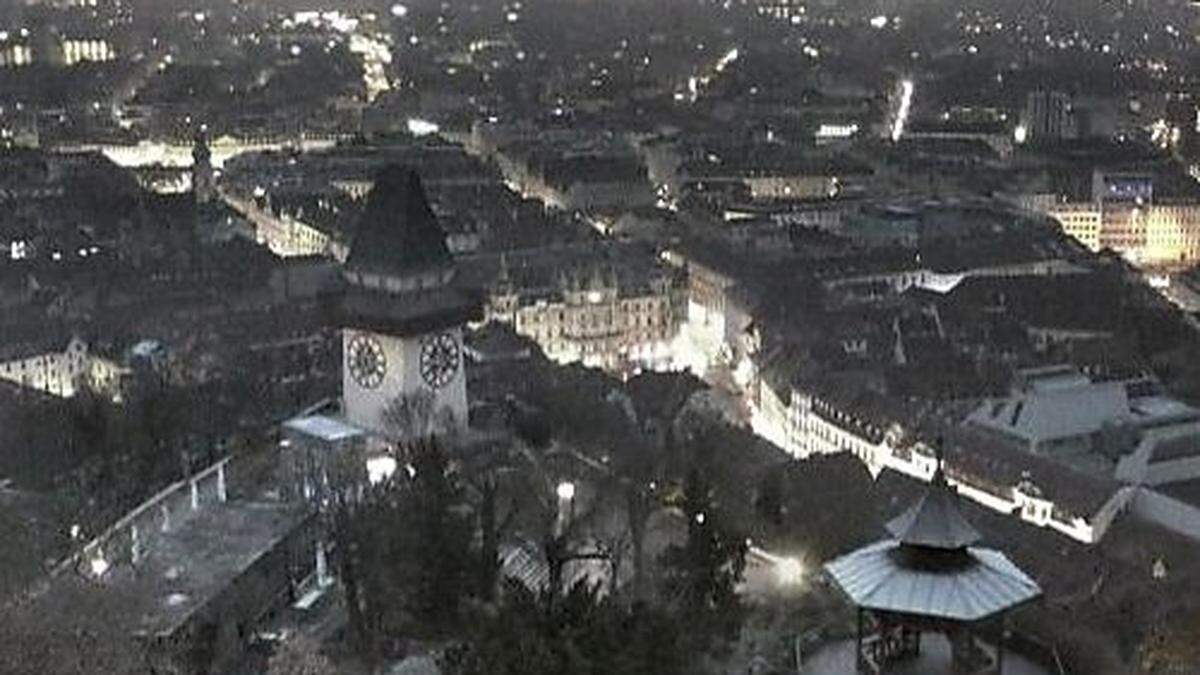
931 577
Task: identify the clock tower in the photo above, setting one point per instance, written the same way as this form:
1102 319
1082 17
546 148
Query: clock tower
402 317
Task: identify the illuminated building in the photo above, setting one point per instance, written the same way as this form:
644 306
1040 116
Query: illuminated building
812 418
285 233
1081 221
58 370
1163 233
787 10
15 55
605 318
1125 215
76 51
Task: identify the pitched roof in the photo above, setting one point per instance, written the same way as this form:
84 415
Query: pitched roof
932 567
397 232
982 585
1050 414
934 521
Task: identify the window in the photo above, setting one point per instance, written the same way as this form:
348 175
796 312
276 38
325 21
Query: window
19 250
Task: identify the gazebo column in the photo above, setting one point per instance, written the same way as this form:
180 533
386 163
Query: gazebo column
1000 646
910 641
960 647
858 644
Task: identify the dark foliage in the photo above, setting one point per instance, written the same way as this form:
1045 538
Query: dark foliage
580 634
702 574
405 551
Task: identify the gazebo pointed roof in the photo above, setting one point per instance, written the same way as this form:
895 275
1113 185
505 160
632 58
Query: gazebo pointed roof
935 521
398 232
933 566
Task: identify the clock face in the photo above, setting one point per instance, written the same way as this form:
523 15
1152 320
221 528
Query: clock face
440 356
366 361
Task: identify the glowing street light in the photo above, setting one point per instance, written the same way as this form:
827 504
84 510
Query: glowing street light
380 469
566 506
789 571
99 566
419 127
566 491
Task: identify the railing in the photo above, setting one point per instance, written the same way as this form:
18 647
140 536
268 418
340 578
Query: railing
130 520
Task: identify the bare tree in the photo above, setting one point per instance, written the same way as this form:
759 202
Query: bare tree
410 415
415 416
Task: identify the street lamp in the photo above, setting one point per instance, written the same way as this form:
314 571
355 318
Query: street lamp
380 469
99 565
790 571
566 491
566 505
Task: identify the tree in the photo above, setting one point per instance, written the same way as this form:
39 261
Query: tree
70 631
405 549
702 574
657 400
581 634
416 416
488 562
432 545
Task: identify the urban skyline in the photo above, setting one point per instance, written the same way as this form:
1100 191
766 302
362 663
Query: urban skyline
560 337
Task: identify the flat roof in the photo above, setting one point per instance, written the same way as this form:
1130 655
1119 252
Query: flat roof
1050 414
184 569
323 427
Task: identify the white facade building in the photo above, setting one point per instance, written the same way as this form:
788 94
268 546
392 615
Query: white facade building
61 372
809 425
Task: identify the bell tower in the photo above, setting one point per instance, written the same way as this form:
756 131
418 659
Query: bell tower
401 318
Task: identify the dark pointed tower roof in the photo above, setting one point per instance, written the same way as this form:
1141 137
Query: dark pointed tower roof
935 521
397 232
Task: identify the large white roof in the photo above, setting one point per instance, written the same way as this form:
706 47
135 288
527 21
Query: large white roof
1051 413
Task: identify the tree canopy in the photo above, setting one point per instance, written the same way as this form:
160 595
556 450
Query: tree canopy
581 634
